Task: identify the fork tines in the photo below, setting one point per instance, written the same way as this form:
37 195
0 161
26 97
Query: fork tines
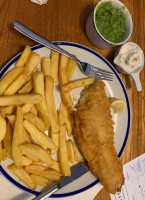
101 74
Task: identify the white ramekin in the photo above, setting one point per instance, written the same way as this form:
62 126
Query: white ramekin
135 74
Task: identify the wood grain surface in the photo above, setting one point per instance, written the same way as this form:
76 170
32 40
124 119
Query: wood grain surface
61 20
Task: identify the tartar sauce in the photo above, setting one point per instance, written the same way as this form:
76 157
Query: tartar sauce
130 57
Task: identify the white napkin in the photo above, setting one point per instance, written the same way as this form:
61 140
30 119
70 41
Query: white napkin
40 2
134 187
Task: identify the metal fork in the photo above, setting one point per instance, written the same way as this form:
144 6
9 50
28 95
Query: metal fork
86 68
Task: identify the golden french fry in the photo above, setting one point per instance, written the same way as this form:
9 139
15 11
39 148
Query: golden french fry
23 57
66 98
3 128
46 66
61 117
8 78
77 155
40 136
37 163
38 87
63 156
12 119
67 120
49 86
26 161
71 65
39 180
45 120
29 155
27 137
22 175
27 88
4 155
54 65
18 137
52 175
7 142
26 107
35 120
8 110
1 152
55 166
31 64
20 99
70 151
34 110
76 84
55 138
37 151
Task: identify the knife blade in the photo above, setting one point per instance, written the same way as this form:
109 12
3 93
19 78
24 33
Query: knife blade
76 172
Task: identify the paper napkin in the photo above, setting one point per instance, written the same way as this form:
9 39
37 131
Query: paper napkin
134 187
40 2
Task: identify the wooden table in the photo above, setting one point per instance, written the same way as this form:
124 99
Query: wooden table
61 20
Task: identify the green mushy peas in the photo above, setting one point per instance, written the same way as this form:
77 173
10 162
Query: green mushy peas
110 22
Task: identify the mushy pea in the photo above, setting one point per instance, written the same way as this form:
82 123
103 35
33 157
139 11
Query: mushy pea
110 22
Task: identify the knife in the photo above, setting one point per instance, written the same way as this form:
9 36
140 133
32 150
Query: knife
76 172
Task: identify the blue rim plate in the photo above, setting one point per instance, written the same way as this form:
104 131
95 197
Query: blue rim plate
73 45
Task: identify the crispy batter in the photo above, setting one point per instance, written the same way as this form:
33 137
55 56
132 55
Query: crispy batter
93 130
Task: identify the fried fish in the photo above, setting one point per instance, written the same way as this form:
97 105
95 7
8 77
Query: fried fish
93 130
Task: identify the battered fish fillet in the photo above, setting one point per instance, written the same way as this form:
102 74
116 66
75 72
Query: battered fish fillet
93 130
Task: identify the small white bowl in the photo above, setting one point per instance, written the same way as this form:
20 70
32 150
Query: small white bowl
135 74
94 35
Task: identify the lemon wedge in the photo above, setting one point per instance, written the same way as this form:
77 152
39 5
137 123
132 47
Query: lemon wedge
118 105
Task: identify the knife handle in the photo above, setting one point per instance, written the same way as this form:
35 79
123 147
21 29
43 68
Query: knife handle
46 194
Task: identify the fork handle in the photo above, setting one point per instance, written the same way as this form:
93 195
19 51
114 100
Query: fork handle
32 35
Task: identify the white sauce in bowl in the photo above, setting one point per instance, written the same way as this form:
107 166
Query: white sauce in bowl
130 57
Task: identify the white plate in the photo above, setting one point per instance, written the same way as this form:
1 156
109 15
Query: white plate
114 88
